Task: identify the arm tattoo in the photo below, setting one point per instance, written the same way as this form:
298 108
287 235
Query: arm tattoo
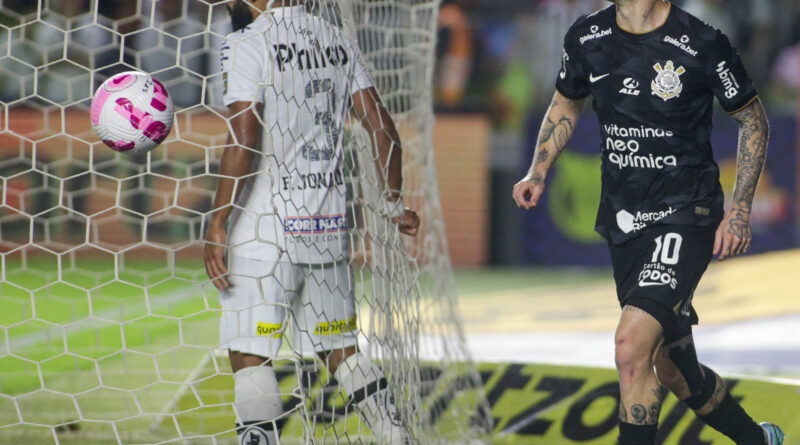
554 135
558 132
639 414
753 138
544 155
739 224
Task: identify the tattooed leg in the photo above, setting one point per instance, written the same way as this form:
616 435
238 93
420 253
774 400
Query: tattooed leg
677 368
638 336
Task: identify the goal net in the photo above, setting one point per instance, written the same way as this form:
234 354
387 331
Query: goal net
109 328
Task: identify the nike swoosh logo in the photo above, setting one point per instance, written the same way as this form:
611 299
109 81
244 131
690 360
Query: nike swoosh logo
650 283
593 79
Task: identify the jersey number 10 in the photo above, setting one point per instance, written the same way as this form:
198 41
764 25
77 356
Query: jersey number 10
669 249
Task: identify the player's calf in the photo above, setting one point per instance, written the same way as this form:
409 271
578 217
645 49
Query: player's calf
708 396
258 405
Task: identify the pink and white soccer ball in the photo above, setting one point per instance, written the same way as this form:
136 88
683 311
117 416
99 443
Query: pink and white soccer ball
132 112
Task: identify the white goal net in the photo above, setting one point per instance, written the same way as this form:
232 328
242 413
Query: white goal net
109 328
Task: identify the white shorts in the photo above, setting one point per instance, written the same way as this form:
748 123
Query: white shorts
262 295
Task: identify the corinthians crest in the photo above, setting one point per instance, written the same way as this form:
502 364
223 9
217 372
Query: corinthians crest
667 83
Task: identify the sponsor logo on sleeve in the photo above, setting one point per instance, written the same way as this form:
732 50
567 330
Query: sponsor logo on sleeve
564 60
667 83
595 33
729 83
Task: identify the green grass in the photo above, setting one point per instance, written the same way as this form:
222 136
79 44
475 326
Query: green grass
88 345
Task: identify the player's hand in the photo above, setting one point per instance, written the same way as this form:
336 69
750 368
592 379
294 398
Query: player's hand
733 234
408 222
215 257
528 191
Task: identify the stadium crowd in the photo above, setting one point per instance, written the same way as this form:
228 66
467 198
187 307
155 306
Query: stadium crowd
502 44
486 50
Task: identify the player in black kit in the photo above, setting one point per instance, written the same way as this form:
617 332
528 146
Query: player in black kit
653 71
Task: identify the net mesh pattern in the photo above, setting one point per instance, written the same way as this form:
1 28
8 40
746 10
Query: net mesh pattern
109 332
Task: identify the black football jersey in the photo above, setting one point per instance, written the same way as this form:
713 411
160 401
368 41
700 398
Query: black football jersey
653 94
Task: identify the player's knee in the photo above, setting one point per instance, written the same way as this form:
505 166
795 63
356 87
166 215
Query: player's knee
256 390
633 356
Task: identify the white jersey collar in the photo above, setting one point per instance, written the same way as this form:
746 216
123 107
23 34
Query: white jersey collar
287 11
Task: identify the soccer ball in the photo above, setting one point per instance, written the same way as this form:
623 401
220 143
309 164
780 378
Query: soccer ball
132 112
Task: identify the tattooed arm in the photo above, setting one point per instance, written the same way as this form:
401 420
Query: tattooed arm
556 130
733 235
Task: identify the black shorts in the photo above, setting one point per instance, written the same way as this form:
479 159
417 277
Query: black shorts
658 272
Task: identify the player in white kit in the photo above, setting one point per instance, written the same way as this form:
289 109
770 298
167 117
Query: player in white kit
291 78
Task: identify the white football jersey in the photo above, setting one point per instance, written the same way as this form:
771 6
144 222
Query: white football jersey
304 71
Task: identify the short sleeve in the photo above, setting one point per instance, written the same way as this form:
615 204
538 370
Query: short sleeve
571 80
361 77
243 63
727 78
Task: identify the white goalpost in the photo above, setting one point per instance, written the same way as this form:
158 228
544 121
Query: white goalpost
110 326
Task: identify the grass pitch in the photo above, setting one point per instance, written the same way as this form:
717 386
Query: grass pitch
79 342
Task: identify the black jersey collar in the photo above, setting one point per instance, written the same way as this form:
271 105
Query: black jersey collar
633 35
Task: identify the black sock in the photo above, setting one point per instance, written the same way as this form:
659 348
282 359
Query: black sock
730 419
630 434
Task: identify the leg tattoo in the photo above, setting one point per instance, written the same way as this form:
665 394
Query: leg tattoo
653 412
639 414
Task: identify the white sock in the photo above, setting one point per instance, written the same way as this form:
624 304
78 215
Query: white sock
257 403
365 384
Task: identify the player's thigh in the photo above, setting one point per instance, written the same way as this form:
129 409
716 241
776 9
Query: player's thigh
327 315
658 272
254 307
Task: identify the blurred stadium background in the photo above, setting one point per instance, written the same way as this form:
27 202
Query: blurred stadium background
534 289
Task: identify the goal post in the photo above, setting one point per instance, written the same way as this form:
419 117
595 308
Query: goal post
109 332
